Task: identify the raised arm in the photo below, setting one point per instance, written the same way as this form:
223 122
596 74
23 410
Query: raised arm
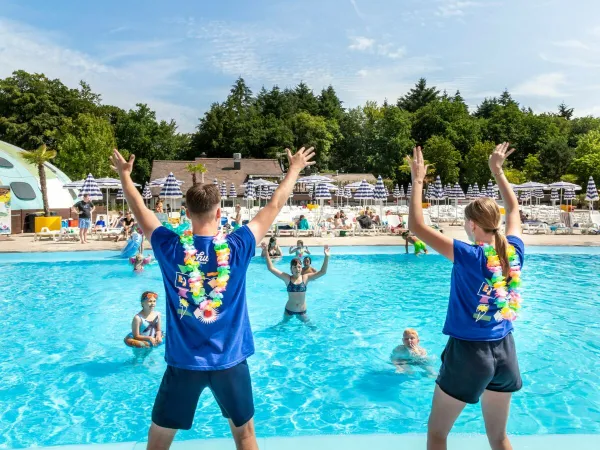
146 218
278 273
323 271
416 223
293 249
511 204
265 217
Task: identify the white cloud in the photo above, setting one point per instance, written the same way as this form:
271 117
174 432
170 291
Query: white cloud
572 44
390 51
453 8
138 81
356 10
361 43
572 61
545 85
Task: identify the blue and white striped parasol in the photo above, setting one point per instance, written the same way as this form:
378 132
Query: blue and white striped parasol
591 194
120 195
525 195
223 190
476 192
429 192
159 182
171 188
216 182
470 192
458 192
491 191
322 193
409 190
396 193
554 196
364 191
232 191
438 189
146 193
538 193
379 191
249 193
90 187
569 194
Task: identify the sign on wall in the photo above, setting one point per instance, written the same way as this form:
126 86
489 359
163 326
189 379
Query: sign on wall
5 210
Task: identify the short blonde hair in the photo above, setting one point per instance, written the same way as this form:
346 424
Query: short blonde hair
412 332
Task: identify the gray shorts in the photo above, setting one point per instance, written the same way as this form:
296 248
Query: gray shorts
471 367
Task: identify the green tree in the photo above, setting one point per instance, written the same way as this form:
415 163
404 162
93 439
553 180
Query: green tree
445 158
39 158
84 146
555 157
138 132
317 132
532 168
306 100
196 169
564 111
330 105
418 96
475 167
587 157
33 106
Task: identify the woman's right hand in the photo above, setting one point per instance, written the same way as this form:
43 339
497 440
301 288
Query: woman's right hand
499 155
153 341
418 169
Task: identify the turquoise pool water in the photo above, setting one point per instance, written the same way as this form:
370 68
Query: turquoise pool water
67 378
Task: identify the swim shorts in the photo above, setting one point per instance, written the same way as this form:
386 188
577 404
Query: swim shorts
471 367
295 313
178 395
420 247
85 223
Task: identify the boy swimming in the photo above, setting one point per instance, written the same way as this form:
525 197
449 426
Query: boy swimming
409 353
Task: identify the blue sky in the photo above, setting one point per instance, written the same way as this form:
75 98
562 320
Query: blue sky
179 56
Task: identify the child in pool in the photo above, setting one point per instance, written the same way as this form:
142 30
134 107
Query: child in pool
146 326
418 244
409 352
306 266
299 250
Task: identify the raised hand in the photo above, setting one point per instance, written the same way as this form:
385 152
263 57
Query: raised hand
418 169
499 155
327 250
119 164
263 245
300 159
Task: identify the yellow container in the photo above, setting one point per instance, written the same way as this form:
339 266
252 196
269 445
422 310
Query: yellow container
52 223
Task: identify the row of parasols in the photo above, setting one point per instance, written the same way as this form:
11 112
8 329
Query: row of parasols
320 187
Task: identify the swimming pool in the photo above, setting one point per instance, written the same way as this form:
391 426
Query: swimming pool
67 378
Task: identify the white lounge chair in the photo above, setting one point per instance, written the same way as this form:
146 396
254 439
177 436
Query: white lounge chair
535 228
46 233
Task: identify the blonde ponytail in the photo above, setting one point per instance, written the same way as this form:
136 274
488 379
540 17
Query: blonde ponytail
501 247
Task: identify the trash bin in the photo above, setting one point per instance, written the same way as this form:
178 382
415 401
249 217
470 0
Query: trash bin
29 222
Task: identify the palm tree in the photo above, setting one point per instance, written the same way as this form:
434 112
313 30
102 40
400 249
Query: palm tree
194 169
40 157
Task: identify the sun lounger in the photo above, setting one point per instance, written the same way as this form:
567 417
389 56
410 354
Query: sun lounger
68 234
109 233
535 228
46 233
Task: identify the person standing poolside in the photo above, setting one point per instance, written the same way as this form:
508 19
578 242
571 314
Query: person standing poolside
480 359
296 285
85 209
204 275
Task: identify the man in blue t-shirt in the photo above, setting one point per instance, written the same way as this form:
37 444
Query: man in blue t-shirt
209 338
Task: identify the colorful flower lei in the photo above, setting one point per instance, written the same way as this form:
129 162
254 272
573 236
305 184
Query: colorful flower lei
207 303
508 297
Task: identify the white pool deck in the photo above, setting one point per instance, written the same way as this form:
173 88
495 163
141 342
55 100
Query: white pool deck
367 441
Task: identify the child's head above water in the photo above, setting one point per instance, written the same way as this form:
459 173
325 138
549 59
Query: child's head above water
300 243
296 265
148 300
307 261
410 338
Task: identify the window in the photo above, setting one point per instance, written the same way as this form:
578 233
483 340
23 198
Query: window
22 191
5 163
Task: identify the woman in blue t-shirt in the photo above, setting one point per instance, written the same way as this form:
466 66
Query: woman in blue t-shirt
480 359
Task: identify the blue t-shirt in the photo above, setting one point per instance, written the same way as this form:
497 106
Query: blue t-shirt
468 289
191 343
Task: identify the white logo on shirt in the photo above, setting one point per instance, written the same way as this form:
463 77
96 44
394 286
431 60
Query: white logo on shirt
202 258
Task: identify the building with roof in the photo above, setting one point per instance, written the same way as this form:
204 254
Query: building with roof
234 170
26 194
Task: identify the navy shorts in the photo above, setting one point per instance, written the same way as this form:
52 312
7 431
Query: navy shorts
471 367
178 395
